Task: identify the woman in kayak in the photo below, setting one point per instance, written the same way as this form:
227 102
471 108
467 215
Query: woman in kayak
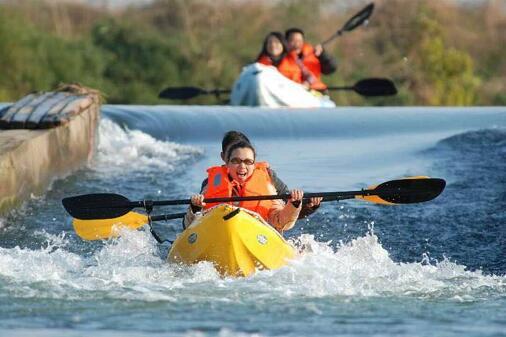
275 53
243 176
231 137
274 49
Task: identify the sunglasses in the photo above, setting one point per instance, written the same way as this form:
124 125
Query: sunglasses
238 161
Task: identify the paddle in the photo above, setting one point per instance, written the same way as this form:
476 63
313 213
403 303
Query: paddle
371 87
401 191
98 229
189 92
365 87
352 23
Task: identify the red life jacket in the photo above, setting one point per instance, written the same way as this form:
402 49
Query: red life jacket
288 67
312 64
219 185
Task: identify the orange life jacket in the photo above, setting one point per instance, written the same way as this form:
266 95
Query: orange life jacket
288 67
219 186
312 63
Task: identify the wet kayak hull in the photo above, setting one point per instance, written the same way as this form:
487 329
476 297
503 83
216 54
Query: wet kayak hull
236 241
265 86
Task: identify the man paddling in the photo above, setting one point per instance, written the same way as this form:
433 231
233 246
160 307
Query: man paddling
312 61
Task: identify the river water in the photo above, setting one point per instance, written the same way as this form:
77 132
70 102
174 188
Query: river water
430 269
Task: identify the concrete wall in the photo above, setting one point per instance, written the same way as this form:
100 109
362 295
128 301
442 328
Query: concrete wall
31 159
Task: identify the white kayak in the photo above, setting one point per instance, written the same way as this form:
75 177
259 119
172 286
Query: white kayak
261 85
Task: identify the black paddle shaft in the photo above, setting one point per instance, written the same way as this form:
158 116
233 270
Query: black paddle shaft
190 92
353 22
388 191
109 205
365 87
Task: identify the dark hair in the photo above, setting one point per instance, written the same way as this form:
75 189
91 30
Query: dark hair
281 39
293 30
239 145
230 137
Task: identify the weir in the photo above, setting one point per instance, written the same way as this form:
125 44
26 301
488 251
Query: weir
45 136
194 124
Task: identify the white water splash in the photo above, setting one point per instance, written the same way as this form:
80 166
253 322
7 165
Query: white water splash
132 150
130 268
44 273
363 267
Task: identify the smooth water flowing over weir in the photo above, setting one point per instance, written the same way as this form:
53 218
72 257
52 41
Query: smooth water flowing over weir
208 123
436 268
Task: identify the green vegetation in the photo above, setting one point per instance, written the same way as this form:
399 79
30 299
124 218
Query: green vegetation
448 73
436 52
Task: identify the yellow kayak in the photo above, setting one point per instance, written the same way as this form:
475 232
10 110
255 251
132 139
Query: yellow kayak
236 240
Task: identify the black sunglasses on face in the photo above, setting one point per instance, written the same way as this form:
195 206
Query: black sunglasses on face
238 161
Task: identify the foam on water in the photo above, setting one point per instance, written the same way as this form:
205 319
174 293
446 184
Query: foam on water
130 267
363 267
39 273
121 150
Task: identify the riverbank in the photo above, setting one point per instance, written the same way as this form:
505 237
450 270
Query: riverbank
30 159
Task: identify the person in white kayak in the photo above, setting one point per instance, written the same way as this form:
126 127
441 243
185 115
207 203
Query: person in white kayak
312 61
297 60
274 49
275 53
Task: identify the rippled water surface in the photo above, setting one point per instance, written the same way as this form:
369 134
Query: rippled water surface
431 269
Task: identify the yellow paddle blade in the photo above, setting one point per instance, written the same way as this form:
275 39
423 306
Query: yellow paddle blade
376 199
106 228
